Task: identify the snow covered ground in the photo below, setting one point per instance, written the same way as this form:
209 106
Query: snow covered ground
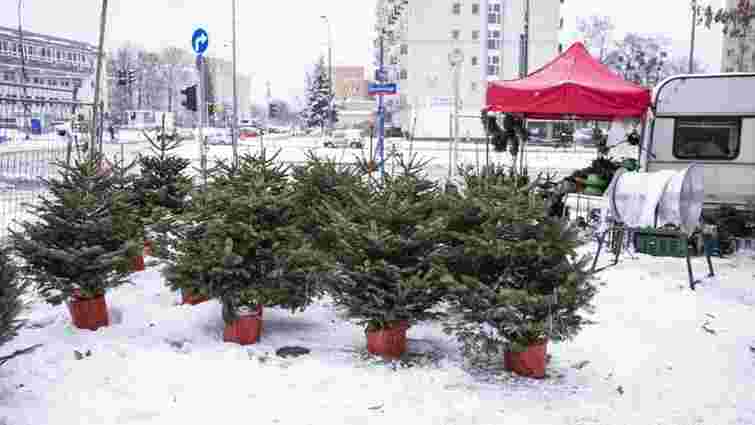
658 354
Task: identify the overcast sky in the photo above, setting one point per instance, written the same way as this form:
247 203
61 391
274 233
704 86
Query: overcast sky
278 40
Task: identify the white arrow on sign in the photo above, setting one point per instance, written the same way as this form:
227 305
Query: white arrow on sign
202 39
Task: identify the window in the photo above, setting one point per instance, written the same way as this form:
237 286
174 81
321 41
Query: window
474 86
8 76
730 52
561 24
404 49
403 75
455 34
494 14
494 40
456 9
476 9
729 69
716 138
475 35
474 60
494 65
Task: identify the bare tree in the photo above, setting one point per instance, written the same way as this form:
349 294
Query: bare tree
737 24
641 58
597 33
176 61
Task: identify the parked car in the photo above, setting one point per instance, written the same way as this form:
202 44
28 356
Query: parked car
247 133
583 136
217 136
345 138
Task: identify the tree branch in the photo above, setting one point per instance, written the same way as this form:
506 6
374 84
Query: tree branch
4 359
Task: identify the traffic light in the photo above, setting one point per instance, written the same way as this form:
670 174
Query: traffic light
121 76
274 110
211 109
191 98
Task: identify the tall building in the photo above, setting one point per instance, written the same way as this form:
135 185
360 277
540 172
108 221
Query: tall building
423 33
56 70
349 82
738 53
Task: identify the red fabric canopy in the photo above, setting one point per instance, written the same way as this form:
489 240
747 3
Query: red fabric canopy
573 85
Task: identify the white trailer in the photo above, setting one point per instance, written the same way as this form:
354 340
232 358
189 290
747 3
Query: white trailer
707 119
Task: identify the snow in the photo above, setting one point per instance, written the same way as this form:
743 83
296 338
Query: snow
160 362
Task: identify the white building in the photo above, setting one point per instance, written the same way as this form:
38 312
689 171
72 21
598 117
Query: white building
423 33
57 71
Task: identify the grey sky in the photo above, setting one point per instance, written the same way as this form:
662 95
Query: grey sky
278 40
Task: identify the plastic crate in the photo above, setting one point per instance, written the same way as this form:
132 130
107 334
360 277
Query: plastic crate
661 244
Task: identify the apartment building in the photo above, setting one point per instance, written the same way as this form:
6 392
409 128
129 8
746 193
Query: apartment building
421 35
738 53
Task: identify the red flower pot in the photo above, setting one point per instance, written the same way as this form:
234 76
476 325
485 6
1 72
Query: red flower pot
137 263
529 363
246 329
192 299
389 342
147 248
88 313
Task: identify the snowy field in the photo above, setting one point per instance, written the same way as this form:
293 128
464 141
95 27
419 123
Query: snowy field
658 354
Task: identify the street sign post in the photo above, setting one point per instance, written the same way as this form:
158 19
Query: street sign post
382 89
199 41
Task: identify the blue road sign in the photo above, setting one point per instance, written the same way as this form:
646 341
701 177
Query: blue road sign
199 41
382 88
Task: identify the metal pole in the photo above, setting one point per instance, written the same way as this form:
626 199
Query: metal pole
330 74
234 130
202 98
526 40
98 76
381 113
457 76
692 38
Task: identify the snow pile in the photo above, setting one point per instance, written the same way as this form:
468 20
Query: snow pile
658 354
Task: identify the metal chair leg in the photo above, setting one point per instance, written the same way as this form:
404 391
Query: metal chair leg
692 281
601 240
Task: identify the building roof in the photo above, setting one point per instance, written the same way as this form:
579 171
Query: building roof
43 38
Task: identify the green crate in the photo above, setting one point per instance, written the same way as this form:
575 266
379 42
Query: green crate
660 244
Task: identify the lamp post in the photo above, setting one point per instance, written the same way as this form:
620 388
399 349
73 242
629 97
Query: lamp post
330 74
455 58
234 125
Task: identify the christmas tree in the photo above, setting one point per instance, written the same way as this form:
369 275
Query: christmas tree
11 289
514 272
162 192
319 98
74 245
320 182
246 248
382 252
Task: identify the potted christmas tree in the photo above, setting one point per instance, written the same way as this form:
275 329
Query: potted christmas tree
514 276
248 251
72 250
382 245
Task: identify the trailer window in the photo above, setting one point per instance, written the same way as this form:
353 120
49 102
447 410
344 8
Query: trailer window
713 138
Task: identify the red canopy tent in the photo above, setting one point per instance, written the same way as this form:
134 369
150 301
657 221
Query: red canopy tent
574 85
